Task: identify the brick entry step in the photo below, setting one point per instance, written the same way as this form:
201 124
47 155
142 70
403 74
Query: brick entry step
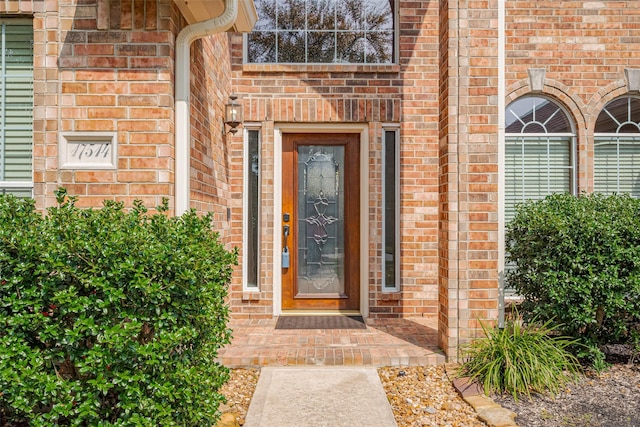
384 342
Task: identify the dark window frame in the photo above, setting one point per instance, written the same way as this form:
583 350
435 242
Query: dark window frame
391 210
298 38
251 217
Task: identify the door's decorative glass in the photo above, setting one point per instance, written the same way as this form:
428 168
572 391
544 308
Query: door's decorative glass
321 219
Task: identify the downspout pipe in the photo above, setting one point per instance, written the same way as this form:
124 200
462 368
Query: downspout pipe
188 35
502 88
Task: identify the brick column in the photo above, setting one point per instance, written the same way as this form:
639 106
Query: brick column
469 170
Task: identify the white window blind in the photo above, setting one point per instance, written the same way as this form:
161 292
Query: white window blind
616 163
16 108
534 168
616 153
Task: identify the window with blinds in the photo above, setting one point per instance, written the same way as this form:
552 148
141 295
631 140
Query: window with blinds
616 152
16 108
538 152
535 167
539 155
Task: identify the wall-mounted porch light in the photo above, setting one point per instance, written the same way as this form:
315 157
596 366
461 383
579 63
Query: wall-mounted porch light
233 114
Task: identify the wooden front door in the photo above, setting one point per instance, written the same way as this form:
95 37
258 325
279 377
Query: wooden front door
321 221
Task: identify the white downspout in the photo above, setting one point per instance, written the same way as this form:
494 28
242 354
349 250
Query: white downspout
501 154
188 34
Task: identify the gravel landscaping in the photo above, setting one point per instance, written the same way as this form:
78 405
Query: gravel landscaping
239 390
424 396
419 396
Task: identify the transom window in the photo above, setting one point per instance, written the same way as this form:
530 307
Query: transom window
323 31
616 153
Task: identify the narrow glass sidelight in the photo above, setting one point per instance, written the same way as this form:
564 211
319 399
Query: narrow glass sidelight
321 220
251 259
391 183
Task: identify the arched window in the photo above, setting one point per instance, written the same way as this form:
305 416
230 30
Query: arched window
538 151
617 148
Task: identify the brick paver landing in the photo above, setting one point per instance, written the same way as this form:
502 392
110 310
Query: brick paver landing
385 342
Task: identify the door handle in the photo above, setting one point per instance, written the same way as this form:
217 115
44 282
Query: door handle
285 230
285 249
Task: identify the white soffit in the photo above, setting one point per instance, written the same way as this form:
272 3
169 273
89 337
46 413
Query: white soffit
202 10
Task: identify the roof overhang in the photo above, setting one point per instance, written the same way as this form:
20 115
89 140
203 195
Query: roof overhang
202 10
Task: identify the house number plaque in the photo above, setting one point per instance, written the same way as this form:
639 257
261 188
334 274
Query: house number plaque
88 151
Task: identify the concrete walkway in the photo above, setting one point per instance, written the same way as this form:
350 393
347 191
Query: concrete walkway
318 397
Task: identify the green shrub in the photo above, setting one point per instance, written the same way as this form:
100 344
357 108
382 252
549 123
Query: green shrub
520 359
577 260
110 317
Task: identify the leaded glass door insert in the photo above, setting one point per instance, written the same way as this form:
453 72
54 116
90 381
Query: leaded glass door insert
321 201
321 223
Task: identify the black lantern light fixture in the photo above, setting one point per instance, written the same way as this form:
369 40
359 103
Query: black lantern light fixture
233 114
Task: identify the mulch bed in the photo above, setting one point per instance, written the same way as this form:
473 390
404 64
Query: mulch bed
610 399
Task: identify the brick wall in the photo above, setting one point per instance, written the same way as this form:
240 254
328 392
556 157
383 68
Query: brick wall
105 67
448 206
419 168
477 168
468 170
584 47
210 155
405 94
108 66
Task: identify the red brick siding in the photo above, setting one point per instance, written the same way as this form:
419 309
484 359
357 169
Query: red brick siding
584 46
468 170
477 170
108 67
407 94
210 156
447 254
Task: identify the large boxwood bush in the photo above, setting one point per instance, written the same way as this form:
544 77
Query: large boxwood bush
577 261
110 317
